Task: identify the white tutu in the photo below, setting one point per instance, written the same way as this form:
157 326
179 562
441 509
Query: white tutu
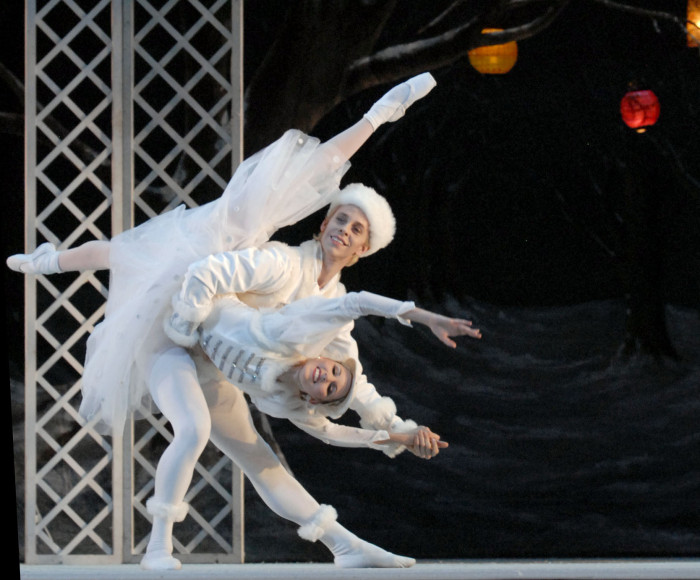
278 186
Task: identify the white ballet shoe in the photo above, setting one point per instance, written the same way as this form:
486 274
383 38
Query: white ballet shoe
160 560
44 260
362 554
392 106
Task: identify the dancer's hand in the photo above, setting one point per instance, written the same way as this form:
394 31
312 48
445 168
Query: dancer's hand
444 327
426 444
422 442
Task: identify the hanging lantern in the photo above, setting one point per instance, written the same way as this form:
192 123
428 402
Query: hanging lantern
640 109
693 23
496 59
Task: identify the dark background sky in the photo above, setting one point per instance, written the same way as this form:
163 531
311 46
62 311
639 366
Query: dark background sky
500 183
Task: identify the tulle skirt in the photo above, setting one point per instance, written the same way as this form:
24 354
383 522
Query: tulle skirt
278 186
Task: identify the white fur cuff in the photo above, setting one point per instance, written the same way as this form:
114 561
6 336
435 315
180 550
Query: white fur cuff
181 331
406 426
394 450
315 529
174 512
379 414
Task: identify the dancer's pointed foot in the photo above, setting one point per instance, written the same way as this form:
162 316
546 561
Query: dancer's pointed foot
362 554
392 106
160 560
44 260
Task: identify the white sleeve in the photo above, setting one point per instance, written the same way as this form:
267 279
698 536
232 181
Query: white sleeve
309 324
342 435
375 411
256 269
367 303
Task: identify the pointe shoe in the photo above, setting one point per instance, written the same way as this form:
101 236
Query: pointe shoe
365 555
392 106
160 560
44 260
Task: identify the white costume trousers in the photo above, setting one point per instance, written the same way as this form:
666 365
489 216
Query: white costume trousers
219 410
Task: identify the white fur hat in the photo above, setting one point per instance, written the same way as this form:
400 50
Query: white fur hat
382 224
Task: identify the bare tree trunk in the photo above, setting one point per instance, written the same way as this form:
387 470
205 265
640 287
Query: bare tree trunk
643 185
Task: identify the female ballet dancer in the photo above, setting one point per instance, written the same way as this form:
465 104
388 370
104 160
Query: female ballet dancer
275 356
131 360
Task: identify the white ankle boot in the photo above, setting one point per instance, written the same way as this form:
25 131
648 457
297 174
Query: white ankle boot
159 553
160 560
362 554
392 106
348 550
44 260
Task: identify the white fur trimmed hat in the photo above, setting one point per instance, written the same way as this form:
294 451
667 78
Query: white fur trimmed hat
382 224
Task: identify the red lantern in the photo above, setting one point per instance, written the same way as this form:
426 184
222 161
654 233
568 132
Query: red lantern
640 109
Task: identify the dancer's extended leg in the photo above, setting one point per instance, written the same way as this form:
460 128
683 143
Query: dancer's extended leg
389 108
392 106
177 393
46 259
234 433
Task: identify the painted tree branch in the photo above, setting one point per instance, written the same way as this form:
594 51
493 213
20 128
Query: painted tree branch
12 123
13 83
654 14
396 62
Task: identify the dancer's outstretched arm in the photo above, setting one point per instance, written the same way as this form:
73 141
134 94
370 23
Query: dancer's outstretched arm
442 326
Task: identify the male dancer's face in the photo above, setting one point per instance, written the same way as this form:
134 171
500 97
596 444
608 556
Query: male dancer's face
345 233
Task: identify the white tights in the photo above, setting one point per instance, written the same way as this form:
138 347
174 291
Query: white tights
93 255
175 390
218 410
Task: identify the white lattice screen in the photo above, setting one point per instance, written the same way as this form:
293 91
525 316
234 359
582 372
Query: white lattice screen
132 107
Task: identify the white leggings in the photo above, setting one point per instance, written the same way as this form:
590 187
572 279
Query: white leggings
217 410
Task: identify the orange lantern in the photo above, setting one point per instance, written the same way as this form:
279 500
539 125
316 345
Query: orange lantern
693 23
496 59
640 109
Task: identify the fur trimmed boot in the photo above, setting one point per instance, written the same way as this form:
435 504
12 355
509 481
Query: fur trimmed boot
159 554
348 550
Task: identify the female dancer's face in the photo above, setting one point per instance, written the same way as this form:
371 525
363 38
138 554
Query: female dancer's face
345 233
323 380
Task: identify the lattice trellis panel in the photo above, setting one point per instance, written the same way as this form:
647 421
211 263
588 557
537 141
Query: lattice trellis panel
132 108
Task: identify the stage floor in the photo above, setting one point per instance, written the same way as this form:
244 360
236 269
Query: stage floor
423 570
